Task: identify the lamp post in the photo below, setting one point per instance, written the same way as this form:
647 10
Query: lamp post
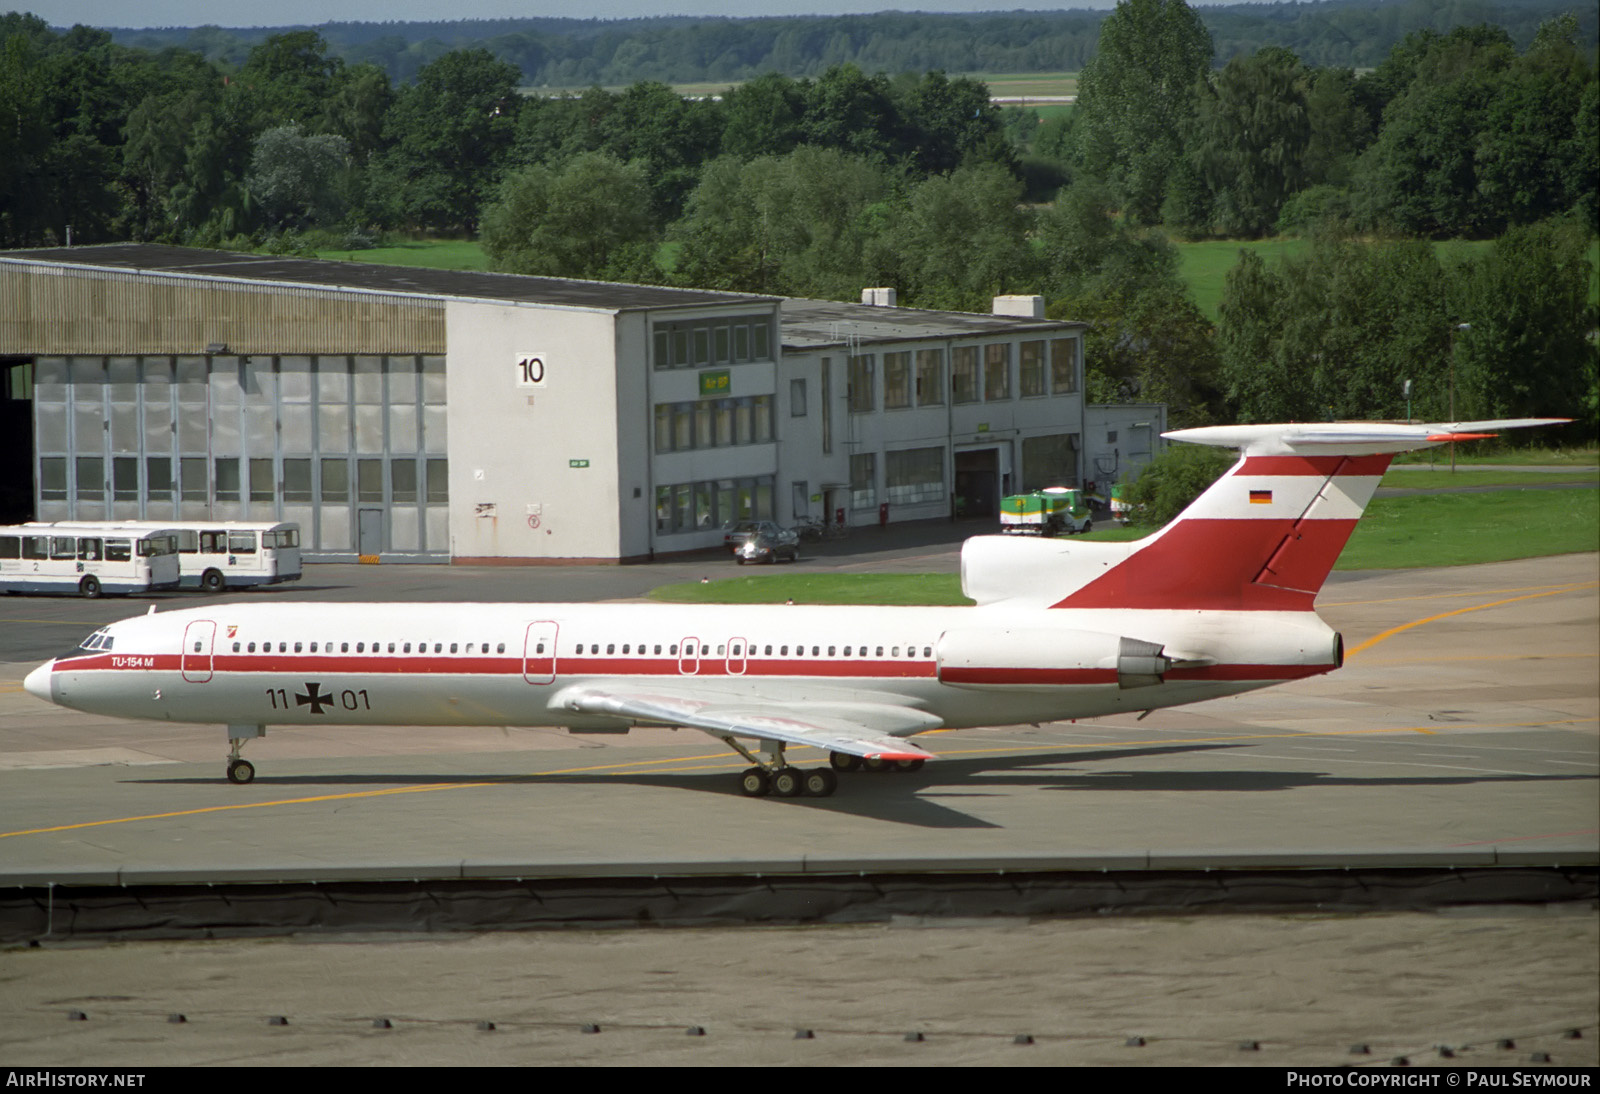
1459 329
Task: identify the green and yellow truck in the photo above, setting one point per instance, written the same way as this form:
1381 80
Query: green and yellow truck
1053 511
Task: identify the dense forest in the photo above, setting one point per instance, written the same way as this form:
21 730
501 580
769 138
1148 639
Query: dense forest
615 53
821 185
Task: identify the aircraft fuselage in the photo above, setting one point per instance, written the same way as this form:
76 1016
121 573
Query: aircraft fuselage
518 664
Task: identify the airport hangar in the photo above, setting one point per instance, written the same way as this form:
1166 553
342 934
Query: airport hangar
415 415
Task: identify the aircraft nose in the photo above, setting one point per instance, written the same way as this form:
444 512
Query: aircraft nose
38 682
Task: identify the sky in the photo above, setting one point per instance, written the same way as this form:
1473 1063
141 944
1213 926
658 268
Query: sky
247 13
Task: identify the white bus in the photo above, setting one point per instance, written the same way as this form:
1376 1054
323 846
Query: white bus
214 555
87 559
220 554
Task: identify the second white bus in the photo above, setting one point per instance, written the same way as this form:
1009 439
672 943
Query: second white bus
87 559
233 554
223 554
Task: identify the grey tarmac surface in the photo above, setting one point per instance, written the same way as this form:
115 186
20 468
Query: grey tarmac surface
1464 720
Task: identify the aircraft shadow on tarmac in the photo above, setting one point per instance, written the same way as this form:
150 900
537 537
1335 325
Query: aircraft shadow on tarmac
929 798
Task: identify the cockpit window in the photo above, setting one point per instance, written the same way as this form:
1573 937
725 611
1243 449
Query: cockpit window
98 642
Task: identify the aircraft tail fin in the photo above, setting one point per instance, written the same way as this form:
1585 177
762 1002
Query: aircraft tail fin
1263 537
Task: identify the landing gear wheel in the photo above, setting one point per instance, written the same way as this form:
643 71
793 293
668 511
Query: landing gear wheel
241 771
89 587
787 783
876 764
820 782
211 581
908 765
1088 526
841 762
755 783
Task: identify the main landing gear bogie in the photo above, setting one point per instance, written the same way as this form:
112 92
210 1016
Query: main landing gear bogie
842 762
789 782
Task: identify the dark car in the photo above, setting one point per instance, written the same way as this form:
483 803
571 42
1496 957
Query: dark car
736 532
756 547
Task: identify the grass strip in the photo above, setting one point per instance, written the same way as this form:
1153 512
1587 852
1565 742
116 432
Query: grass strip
1395 534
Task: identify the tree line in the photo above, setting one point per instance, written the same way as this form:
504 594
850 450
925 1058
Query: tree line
821 186
615 53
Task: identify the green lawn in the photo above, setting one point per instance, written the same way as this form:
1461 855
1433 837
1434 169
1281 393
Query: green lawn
1460 529
1204 265
1490 452
434 254
804 588
1023 85
1441 477
1396 533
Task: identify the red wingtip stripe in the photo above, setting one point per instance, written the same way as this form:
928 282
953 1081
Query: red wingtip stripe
1440 437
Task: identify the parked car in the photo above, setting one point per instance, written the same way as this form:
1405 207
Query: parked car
758 547
735 533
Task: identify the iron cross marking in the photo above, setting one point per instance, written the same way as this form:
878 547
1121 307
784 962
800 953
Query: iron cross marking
315 698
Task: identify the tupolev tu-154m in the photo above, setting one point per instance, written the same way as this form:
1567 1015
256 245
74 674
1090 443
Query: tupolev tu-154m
1218 602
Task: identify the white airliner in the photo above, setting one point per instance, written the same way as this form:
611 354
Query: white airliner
1216 603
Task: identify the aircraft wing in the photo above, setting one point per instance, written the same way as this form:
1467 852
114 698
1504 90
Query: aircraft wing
869 730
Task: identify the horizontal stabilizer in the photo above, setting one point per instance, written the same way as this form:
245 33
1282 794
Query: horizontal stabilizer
1347 438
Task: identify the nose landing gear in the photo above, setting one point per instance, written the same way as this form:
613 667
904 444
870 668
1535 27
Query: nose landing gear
241 770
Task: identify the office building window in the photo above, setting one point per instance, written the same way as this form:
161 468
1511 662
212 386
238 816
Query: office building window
896 380
996 372
913 476
863 383
930 377
964 374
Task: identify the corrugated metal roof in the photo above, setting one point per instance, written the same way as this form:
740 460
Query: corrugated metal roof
810 324
370 277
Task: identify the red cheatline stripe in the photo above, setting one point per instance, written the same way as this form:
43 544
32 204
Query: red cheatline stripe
1315 465
997 676
398 666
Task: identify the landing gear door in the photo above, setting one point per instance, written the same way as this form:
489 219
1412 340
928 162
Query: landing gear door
198 639
539 652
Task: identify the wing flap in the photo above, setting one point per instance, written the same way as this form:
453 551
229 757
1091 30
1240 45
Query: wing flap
868 730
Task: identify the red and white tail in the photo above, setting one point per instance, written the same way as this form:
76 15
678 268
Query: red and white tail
1262 537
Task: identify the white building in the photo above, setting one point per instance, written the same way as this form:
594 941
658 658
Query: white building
424 415
931 414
